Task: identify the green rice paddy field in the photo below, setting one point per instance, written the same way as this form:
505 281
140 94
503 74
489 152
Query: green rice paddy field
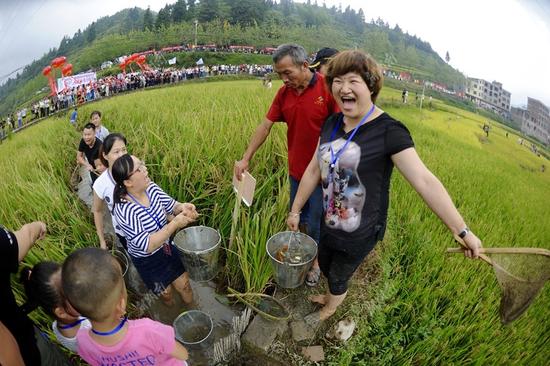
422 307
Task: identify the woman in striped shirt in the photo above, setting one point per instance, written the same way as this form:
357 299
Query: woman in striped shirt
142 209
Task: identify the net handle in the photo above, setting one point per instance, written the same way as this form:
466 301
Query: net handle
482 256
539 251
243 297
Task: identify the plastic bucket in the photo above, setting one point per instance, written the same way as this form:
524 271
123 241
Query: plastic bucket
199 246
286 274
193 329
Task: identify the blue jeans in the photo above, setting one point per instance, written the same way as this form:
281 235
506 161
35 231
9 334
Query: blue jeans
312 212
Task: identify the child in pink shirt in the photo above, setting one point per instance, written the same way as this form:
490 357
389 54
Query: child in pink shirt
146 342
93 283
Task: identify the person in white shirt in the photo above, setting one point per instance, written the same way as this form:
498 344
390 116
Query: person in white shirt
101 131
113 147
42 285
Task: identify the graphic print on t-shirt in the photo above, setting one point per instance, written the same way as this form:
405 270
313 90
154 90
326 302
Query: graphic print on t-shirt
343 192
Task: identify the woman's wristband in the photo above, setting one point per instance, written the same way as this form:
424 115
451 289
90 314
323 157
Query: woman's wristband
294 214
463 233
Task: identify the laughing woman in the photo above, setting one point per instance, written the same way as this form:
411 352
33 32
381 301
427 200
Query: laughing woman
141 209
356 154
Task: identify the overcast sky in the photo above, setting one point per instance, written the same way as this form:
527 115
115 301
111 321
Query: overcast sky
503 40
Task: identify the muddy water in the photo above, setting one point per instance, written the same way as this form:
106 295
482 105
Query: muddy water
194 334
147 304
204 300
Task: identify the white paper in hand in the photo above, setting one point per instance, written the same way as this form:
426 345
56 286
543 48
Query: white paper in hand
245 187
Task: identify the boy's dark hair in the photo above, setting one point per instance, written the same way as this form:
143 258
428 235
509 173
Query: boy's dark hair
95 112
39 287
89 126
89 277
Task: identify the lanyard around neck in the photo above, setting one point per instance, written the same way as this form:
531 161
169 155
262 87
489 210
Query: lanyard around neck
71 325
117 329
151 215
334 157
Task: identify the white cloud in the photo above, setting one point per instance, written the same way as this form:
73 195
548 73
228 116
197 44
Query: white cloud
503 40
28 29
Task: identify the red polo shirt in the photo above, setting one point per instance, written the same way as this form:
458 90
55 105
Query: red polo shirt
304 115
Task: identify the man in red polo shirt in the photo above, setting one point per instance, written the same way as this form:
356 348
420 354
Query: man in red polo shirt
303 103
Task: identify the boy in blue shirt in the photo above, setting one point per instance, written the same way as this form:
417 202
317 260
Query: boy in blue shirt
74 116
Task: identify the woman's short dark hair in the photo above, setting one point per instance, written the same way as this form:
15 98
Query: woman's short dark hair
108 145
359 62
122 168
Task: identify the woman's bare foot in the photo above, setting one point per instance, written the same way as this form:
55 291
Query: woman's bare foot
169 302
313 276
325 313
318 299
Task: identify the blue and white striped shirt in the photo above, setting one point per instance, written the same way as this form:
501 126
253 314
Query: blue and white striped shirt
139 222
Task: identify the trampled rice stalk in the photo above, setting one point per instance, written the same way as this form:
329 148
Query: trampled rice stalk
496 187
231 344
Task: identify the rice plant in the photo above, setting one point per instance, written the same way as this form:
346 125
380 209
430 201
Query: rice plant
425 308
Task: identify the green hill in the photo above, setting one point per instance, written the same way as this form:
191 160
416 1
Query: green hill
256 23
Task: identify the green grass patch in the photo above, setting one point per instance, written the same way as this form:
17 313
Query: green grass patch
423 307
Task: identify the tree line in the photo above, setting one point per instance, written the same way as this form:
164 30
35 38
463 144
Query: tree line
260 23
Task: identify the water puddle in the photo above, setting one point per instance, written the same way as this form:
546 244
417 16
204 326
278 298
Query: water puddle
224 339
195 334
204 299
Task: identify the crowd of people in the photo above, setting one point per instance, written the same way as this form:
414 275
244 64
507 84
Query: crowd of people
123 82
86 295
341 152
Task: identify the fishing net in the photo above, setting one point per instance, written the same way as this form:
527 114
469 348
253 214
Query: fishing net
521 276
267 306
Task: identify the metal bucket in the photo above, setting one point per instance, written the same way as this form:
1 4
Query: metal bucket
131 276
199 246
291 275
193 329
123 260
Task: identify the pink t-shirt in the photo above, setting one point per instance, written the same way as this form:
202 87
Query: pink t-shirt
147 342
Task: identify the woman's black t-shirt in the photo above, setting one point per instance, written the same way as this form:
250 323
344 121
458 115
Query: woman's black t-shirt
356 189
11 315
